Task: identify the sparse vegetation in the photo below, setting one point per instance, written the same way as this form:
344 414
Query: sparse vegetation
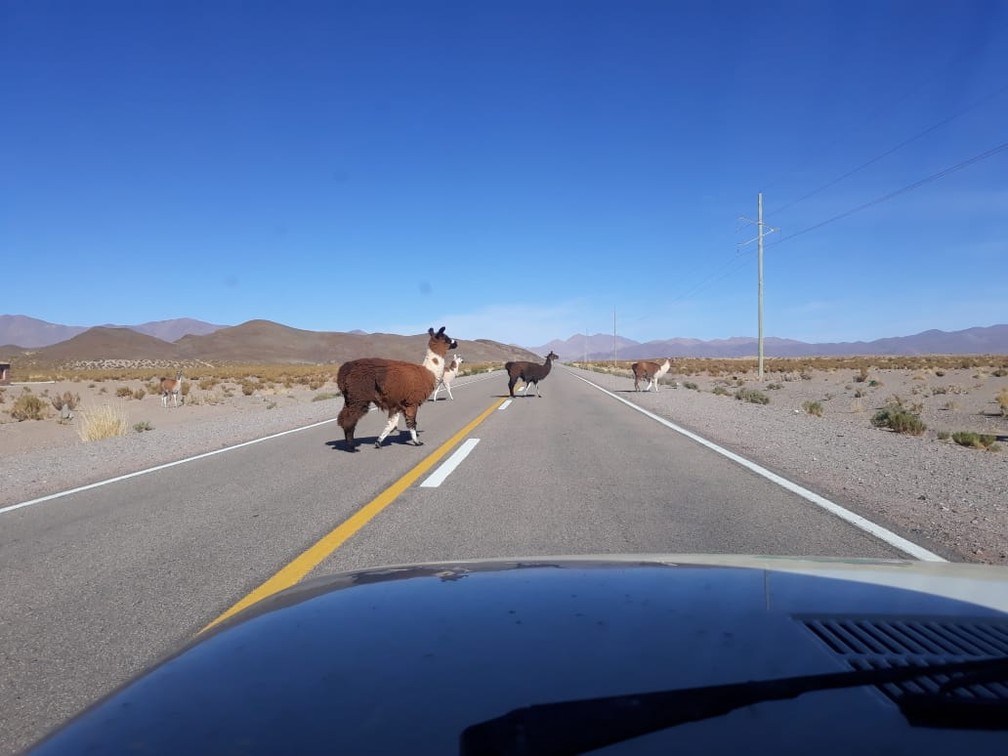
139 394
124 392
142 426
752 395
898 419
324 396
813 408
691 385
721 391
976 440
101 423
862 375
248 388
774 386
29 407
943 435
1002 400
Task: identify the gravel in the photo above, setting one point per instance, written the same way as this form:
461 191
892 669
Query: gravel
949 499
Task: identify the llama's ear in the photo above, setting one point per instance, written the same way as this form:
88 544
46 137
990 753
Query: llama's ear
430 331
441 331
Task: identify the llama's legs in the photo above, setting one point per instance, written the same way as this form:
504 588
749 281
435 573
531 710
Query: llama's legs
436 389
347 420
511 385
448 389
411 415
392 423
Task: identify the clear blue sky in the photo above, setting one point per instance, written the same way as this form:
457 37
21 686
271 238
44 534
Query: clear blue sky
511 170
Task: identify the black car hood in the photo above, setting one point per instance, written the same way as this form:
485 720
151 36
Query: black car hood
404 659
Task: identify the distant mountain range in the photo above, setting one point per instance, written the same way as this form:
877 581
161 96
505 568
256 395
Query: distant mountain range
30 333
257 341
186 339
987 340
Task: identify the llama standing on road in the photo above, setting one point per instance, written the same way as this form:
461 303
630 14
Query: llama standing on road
530 372
171 387
450 373
397 387
650 372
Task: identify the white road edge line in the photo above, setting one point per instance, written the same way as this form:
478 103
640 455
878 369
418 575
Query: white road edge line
447 467
165 466
907 547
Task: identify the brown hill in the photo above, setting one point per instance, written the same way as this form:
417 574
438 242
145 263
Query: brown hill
103 343
257 341
263 341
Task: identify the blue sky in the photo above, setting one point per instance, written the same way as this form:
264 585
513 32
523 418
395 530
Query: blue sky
514 170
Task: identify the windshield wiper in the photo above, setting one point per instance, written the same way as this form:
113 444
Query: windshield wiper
569 727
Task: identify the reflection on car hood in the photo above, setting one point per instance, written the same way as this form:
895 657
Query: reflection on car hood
403 659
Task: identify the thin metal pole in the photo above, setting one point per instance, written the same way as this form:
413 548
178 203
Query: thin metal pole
759 224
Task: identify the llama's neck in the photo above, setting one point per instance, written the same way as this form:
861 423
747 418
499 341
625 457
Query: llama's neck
663 368
435 363
547 365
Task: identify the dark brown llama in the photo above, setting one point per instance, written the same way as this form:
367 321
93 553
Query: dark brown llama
530 372
396 387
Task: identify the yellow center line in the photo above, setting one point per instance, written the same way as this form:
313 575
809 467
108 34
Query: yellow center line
296 570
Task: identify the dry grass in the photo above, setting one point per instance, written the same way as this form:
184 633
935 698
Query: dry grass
102 422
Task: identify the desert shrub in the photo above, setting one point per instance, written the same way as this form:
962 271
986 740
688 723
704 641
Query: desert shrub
271 405
940 373
691 385
248 388
898 419
1000 372
813 408
124 392
208 383
324 396
28 407
142 426
873 383
943 435
67 400
975 440
316 382
774 386
721 391
1002 400
752 395
184 389
939 390
862 376
2 397
102 422
139 394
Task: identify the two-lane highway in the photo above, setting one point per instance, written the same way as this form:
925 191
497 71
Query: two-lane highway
100 583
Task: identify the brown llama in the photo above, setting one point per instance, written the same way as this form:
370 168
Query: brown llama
530 372
396 387
170 387
650 372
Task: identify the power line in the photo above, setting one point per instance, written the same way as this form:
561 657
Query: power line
903 190
888 152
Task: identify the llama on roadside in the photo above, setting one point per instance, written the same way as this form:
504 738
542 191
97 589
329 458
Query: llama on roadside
450 374
650 372
171 387
397 387
529 372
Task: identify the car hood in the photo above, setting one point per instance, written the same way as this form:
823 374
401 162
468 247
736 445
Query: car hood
404 658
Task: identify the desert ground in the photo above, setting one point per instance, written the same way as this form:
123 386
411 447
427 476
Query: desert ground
816 428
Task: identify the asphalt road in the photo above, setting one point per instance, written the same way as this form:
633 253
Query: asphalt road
100 584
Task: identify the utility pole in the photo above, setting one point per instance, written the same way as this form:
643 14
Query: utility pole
759 265
761 231
614 340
